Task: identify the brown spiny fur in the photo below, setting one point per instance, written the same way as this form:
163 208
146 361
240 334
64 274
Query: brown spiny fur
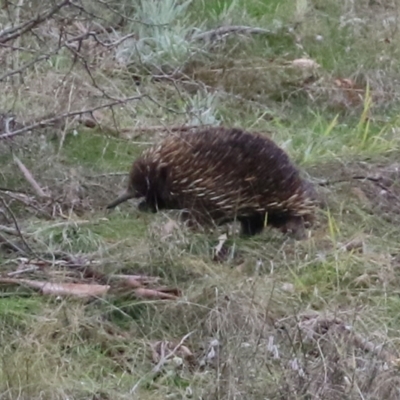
221 175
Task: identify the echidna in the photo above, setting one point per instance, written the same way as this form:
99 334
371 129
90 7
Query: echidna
220 175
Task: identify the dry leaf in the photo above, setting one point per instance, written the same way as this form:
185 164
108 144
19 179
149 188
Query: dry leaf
168 228
305 63
360 194
88 122
363 280
345 83
211 355
356 245
351 93
221 240
220 251
288 287
165 349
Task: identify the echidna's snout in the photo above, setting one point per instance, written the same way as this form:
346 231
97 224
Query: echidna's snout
124 197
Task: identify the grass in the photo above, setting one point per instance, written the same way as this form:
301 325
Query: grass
276 319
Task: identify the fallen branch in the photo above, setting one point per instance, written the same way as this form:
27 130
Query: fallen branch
154 294
123 284
83 290
60 289
29 177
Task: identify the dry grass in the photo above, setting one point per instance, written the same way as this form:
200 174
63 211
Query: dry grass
271 317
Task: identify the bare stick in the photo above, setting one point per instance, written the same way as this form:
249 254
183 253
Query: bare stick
29 177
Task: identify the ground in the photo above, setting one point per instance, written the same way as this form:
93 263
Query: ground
265 317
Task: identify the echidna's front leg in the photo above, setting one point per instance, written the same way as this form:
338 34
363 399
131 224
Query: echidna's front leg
252 225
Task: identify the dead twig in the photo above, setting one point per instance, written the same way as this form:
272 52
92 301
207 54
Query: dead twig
12 33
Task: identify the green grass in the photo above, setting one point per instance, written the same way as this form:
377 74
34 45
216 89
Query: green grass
274 307
97 151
